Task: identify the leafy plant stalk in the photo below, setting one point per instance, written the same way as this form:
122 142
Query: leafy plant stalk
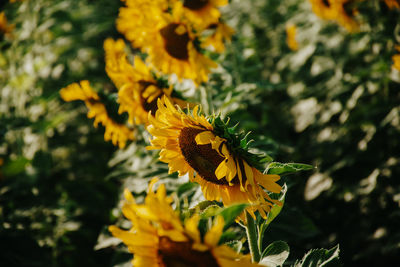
251 231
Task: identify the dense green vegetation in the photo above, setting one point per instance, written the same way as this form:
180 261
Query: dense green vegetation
334 103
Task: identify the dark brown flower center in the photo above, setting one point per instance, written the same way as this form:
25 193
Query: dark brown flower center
175 44
152 105
181 254
326 3
348 8
195 4
212 26
202 158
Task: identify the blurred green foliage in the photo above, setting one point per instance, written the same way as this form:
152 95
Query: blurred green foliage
54 196
334 103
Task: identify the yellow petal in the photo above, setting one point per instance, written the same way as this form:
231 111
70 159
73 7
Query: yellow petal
232 169
249 174
191 227
221 170
214 234
128 196
204 138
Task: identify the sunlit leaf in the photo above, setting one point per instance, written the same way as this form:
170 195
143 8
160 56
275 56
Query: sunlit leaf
320 257
15 167
275 254
286 168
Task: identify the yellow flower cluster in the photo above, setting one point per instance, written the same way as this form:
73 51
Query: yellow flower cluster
158 238
337 10
117 133
172 33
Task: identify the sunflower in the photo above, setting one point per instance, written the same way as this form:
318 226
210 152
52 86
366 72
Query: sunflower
396 59
221 33
392 4
138 88
337 10
291 37
158 238
203 13
190 145
345 14
116 132
169 40
323 9
137 18
5 27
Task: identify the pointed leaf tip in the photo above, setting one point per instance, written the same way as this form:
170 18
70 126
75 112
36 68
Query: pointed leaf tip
286 168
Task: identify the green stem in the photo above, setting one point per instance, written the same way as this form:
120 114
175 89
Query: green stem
251 231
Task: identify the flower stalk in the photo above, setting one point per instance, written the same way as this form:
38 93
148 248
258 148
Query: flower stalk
251 231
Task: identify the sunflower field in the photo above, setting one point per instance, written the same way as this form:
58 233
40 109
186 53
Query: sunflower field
174 133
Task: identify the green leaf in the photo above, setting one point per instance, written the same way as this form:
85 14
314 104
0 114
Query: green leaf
15 167
232 129
210 211
205 208
275 254
286 168
275 210
228 237
266 158
320 257
231 213
228 213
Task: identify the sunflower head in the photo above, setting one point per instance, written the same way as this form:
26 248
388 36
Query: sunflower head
393 4
100 108
5 27
139 87
323 9
159 238
168 37
342 11
203 13
213 155
345 13
217 35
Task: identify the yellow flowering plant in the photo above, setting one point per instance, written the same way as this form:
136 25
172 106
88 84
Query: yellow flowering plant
217 99
170 32
238 184
117 132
